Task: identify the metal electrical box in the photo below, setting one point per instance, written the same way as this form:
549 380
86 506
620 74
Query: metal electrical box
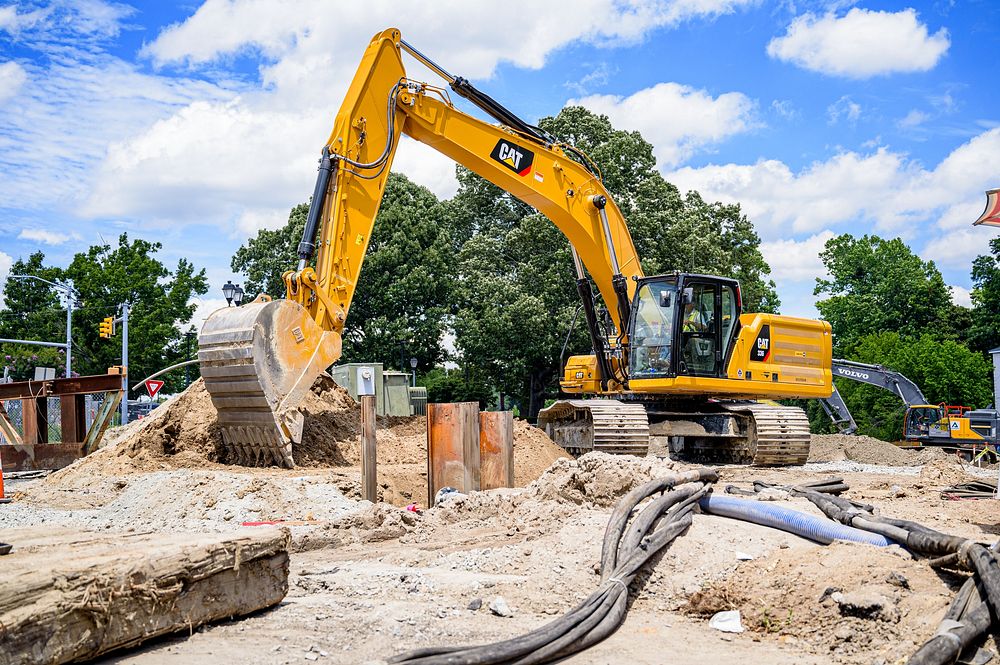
396 392
418 400
347 377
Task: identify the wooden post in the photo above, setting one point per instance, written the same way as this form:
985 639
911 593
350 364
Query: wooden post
496 448
369 486
452 448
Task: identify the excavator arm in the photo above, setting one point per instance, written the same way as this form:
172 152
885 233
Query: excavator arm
873 375
260 359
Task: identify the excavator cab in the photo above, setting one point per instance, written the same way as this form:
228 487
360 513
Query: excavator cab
920 421
683 325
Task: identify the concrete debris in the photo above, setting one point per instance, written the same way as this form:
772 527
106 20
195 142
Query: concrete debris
500 608
727 622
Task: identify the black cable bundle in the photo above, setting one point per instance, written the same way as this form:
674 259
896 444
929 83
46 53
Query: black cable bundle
630 541
976 489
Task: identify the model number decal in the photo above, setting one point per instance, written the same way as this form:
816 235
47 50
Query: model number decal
762 345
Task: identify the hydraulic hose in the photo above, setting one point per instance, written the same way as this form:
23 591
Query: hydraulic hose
778 517
633 537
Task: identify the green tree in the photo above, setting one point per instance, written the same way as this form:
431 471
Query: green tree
515 303
456 386
878 285
404 293
985 328
107 276
946 371
264 258
31 308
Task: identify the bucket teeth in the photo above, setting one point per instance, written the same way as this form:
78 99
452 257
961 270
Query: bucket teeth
258 362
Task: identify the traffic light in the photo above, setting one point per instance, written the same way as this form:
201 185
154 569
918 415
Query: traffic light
107 327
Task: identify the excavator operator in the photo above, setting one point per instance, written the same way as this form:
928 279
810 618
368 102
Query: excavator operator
694 321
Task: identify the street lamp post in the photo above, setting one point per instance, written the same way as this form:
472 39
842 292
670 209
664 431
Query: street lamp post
70 294
413 368
233 293
228 290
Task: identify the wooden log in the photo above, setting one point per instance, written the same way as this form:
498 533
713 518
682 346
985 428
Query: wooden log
73 595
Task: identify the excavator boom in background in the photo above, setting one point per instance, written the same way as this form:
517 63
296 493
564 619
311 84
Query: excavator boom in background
675 359
924 423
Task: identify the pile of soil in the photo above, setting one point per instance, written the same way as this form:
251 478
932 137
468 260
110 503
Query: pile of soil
183 434
861 449
844 600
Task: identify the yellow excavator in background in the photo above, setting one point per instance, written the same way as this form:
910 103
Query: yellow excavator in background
676 362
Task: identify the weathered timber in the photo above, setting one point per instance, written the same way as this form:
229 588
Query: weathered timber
73 595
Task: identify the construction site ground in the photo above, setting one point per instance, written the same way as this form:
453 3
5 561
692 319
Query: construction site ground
372 580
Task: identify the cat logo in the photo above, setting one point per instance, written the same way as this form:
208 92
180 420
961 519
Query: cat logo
514 157
762 345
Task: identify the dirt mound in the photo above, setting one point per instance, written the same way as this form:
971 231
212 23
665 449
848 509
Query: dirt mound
845 600
184 434
598 478
861 449
942 472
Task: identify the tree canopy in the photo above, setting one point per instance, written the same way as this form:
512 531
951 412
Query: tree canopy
985 328
878 285
105 276
405 292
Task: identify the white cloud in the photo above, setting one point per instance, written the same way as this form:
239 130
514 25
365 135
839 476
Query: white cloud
861 44
426 166
884 190
696 118
44 236
524 33
784 108
914 118
796 260
12 77
78 96
845 108
242 157
205 306
961 296
252 220
12 22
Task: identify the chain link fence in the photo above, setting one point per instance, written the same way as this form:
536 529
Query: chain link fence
15 413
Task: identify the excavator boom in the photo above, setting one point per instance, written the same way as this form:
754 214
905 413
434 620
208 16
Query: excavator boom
258 360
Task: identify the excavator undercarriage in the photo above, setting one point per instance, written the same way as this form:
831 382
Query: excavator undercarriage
730 432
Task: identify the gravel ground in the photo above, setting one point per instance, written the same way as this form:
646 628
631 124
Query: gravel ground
368 581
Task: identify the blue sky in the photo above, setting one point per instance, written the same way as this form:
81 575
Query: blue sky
195 124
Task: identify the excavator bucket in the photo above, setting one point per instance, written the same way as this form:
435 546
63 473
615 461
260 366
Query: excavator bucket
258 361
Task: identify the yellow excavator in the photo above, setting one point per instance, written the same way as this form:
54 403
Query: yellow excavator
676 362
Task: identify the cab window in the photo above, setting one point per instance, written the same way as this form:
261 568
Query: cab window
652 319
699 331
729 315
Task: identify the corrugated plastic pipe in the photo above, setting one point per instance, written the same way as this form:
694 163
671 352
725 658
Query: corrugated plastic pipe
819 529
